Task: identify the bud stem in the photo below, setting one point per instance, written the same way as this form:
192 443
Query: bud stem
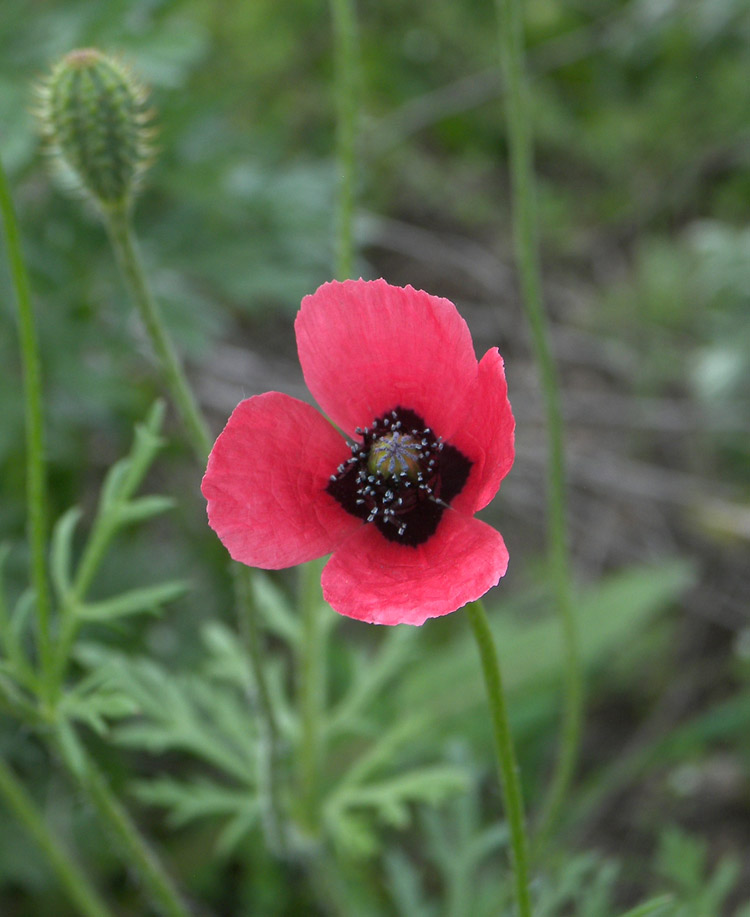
128 257
126 250
36 486
79 890
137 851
526 244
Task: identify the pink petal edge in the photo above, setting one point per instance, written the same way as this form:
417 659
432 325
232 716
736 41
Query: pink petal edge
367 347
487 436
265 483
381 582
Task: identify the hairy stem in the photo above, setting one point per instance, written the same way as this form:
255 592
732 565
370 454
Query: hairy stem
527 256
36 486
506 757
138 853
123 241
82 895
346 80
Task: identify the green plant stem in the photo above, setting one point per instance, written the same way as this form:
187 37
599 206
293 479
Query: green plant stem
346 82
126 250
133 845
311 694
36 489
80 892
268 738
506 758
527 255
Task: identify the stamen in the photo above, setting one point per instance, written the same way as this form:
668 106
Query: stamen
394 475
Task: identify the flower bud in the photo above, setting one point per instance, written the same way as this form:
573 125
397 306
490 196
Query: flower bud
93 114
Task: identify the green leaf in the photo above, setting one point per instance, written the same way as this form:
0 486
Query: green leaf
211 721
682 859
61 552
113 485
13 700
371 677
380 754
405 886
71 747
354 835
276 609
655 907
227 658
236 829
21 616
147 599
148 442
187 801
143 508
125 476
390 797
96 699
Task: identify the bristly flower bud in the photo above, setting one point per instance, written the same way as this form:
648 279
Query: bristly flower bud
93 114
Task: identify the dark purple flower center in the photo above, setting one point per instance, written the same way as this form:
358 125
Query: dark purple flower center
400 476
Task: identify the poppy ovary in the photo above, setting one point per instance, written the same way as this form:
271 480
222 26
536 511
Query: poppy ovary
396 454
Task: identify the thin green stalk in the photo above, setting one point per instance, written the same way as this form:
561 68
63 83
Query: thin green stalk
108 806
527 255
123 241
36 488
506 757
82 895
268 738
346 83
311 693
136 850
126 250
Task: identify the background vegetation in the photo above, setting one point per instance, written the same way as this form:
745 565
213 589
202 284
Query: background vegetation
643 156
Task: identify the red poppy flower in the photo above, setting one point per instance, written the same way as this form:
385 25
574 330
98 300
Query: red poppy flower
429 437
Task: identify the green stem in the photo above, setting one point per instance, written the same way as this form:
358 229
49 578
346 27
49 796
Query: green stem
346 81
121 233
133 845
527 255
124 243
311 693
36 490
268 736
82 895
506 758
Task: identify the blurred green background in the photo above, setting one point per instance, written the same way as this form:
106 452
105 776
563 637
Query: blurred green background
642 117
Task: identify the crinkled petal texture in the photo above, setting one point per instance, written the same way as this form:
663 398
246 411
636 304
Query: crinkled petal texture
266 479
367 347
382 582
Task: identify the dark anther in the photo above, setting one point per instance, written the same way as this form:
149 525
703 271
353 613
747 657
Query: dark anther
400 481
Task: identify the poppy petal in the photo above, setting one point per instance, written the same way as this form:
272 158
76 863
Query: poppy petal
487 436
367 347
382 582
266 479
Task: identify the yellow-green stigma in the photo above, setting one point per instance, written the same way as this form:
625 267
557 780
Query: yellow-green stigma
394 455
